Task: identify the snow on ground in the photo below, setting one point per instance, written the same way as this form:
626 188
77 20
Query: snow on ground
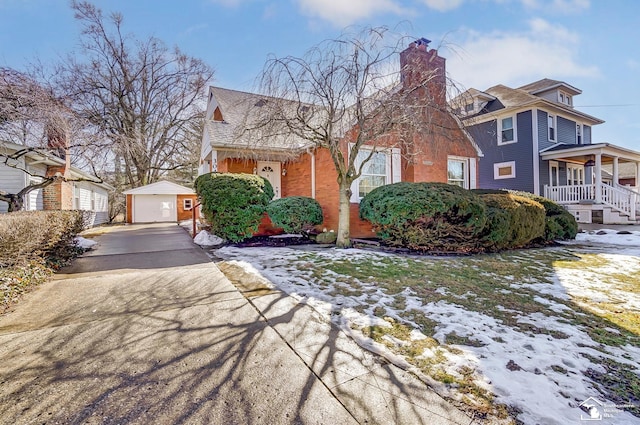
84 243
545 381
205 238
609 236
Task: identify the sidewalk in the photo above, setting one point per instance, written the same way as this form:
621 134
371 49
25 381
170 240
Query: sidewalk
145 329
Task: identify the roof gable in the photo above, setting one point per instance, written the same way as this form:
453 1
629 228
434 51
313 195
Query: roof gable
160 188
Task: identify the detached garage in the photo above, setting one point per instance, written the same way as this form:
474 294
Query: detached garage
160 202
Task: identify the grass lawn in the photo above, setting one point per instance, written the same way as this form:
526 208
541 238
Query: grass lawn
484 330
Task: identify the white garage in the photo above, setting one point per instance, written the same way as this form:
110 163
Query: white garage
162 201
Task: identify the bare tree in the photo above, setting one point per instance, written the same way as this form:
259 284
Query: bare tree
33 123
346 94
141 96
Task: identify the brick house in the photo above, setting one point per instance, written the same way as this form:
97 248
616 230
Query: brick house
302 169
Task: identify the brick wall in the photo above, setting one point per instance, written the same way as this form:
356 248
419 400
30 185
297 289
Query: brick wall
186 214
59 194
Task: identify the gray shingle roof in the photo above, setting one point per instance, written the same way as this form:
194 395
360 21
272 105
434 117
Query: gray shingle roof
243 125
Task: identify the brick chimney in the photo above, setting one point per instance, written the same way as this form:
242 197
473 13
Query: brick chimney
423 70
59 194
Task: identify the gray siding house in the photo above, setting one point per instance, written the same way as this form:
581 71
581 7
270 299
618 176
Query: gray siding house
533 139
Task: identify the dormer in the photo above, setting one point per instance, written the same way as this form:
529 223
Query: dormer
471 102
553 90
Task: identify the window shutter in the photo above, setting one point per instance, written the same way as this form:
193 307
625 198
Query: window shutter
396 164
472 174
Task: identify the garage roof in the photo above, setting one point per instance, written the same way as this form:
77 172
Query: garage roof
160 188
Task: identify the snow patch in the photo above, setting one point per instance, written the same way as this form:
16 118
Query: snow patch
205 238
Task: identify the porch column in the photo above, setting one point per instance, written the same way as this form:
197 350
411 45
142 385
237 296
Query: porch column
637 183
616 173
598 182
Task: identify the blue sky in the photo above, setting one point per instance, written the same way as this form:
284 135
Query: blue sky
593 45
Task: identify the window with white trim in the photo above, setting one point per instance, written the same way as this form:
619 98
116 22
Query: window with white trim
187 204
551 124
579 134
507 131
564 98
382 168
457 173
504 170
76 197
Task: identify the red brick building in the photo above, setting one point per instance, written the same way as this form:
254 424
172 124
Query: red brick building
439 150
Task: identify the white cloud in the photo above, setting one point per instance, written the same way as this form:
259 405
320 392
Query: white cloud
516 58
443 5
558 6
346 12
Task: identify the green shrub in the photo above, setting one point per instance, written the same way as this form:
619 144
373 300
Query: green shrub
560 224
26 235
426 216
295 214
512 221
233 204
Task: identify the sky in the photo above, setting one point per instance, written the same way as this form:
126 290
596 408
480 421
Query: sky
593 45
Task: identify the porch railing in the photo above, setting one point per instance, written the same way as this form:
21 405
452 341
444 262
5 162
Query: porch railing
620 199
633 192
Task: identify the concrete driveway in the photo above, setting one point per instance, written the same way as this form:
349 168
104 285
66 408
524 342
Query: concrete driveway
145 329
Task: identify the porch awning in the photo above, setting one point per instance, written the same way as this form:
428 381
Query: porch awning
583 153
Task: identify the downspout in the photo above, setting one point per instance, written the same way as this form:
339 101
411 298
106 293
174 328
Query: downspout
313 175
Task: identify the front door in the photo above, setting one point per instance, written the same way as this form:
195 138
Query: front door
270 170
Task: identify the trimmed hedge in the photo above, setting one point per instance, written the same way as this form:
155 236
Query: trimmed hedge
512 221
426 216
26 235
295 214
233 204
560 224
32 245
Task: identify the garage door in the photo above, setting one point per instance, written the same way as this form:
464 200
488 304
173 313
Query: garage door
153 208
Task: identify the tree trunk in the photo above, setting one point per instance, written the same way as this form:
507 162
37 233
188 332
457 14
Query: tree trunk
344 214
16 204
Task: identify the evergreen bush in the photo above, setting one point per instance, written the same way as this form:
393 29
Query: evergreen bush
426 216
233 204
295 214
512 221
560 224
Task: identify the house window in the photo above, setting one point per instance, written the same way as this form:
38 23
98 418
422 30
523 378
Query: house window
504 170
468 108
579 134
76 197
457 172
382 168
551 120
93 201
374 172
507 131
564 98
575 174
187 204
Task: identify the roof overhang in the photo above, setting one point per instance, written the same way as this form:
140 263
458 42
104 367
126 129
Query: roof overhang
556 108
582 153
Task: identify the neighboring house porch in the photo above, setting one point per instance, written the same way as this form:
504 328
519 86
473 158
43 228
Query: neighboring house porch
586 179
